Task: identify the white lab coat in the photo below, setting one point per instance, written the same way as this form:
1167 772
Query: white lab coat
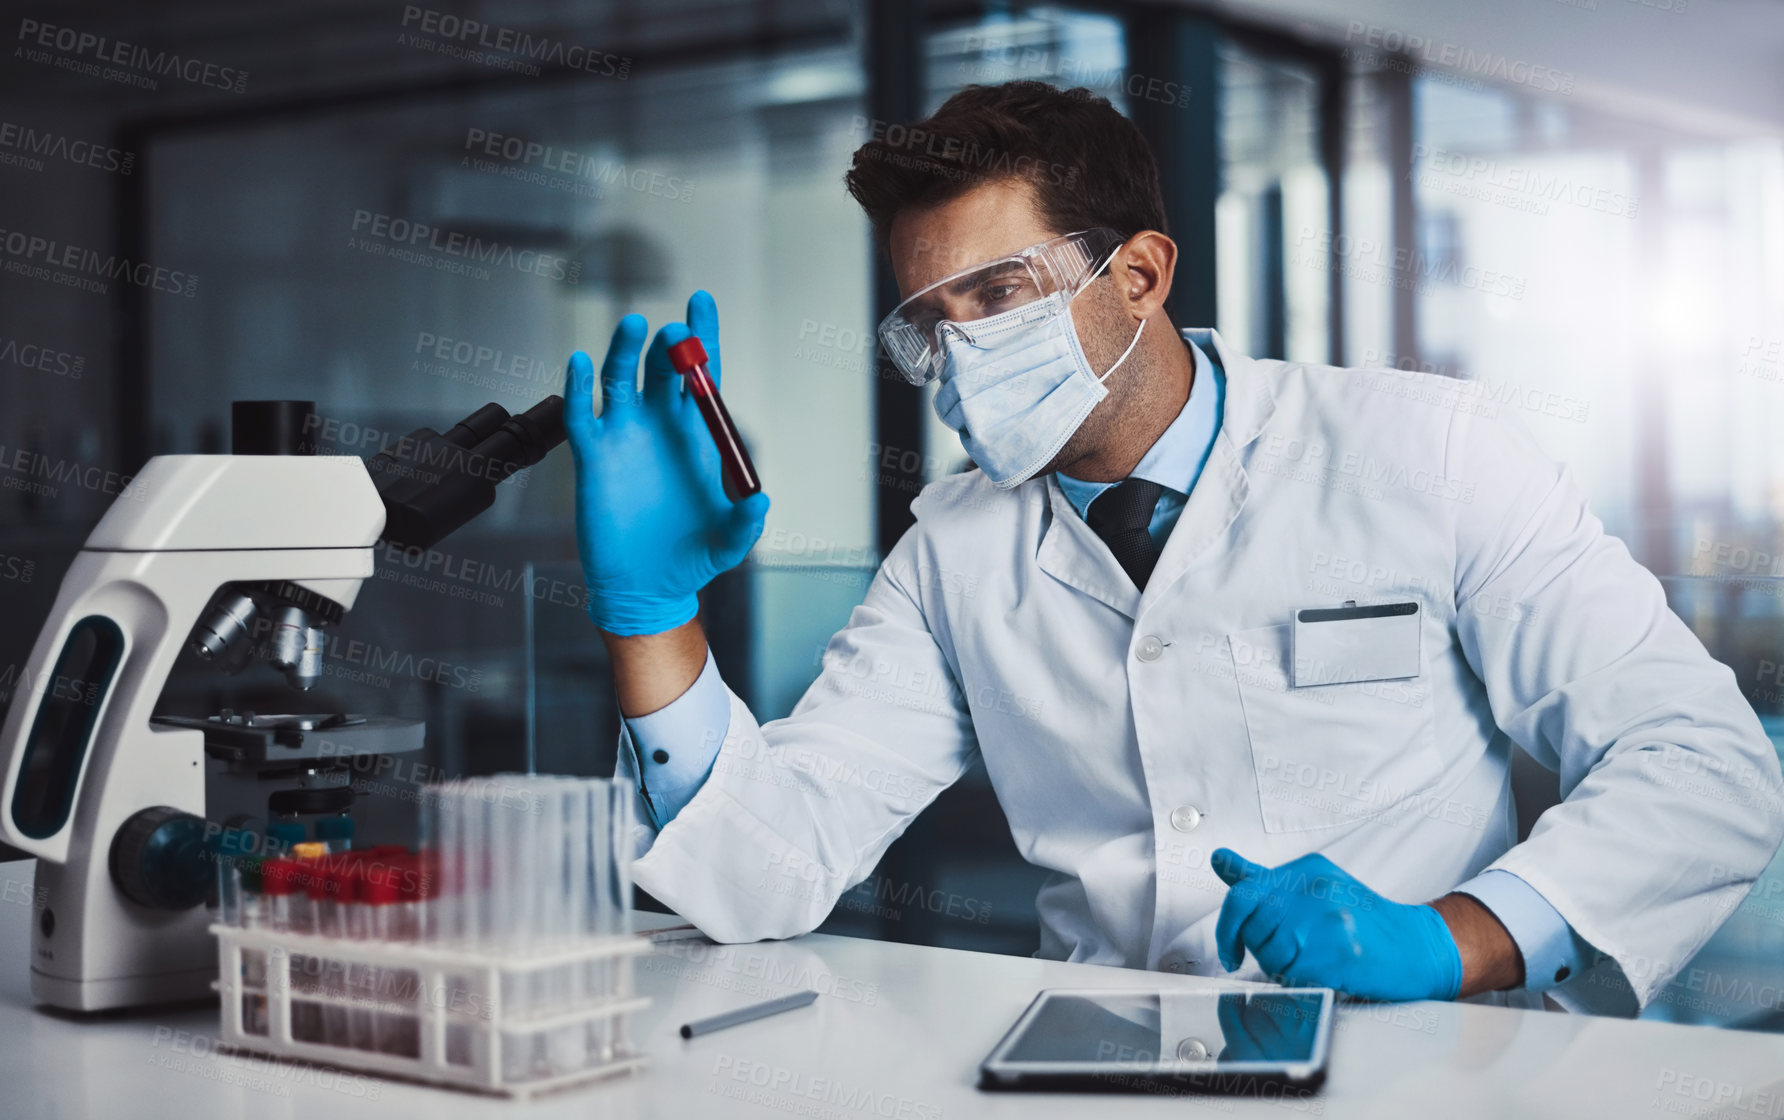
1128 736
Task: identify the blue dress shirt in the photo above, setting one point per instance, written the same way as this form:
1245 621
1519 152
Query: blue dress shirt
674 748
1175 462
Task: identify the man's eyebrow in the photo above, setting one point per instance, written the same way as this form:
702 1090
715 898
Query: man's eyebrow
978 276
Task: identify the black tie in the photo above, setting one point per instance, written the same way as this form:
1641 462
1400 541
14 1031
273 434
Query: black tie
1121 515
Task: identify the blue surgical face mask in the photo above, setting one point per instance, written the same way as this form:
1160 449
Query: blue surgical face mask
1016 386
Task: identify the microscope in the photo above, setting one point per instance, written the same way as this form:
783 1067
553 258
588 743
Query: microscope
244 558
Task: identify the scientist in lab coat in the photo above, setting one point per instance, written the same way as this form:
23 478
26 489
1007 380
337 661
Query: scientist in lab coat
1245 645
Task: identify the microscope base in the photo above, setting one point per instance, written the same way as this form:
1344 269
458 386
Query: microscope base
122 991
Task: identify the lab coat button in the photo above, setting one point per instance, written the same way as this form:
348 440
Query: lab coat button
1192 1050
1151 649
1185 818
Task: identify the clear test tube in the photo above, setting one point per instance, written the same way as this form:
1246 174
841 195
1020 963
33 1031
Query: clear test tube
473 856
574 814
282 900
504 809
466 859
402 919
470 853
296 913
426 898
303 903
253 901
541 856
396 1032
600 869
452 905
320 891
222 852
531 857
239 876
539 859
574 803
499 826
506 876
366 902
362 925
436 848
377 879
328 913
244 873
540 849
563 896
600 971
278 886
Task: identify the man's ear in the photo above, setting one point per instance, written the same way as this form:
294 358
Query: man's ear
1142 272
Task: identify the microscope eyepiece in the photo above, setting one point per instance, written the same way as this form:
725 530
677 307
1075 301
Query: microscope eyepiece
272 428
431 483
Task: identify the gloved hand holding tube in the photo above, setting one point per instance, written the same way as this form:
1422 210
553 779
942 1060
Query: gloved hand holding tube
653 523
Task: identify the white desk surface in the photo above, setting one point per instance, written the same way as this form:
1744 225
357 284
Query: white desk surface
900 1038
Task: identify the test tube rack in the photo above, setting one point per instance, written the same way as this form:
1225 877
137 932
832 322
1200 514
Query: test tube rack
456 1020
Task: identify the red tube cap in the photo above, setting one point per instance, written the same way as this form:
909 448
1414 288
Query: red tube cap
280 877
383 880
687 354
330 881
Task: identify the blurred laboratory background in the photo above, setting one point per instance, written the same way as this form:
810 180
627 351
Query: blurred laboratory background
1571 209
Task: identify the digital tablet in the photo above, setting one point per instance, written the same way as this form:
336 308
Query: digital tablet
1105 1040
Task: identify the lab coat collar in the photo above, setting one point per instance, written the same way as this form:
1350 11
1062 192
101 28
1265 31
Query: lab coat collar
1215 502
1221 492
1072 553
1250 398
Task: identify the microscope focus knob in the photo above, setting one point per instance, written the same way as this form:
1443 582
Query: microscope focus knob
158 859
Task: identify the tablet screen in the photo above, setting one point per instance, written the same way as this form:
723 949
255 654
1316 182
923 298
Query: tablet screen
1149 1029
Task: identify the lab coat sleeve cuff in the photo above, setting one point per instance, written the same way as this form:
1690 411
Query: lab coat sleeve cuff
1552 952
673 748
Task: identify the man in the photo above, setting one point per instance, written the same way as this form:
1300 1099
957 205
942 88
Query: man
1245 645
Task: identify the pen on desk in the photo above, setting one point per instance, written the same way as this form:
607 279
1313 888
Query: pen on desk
747 1014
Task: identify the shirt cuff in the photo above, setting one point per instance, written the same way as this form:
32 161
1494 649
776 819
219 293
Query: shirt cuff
1552 952
674 746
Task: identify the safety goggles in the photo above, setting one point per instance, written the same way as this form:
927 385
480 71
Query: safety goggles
912 334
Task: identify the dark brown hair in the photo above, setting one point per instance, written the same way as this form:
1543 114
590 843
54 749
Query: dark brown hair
1088 164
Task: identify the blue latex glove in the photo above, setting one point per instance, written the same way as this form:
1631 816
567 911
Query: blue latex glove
1310 923
653 523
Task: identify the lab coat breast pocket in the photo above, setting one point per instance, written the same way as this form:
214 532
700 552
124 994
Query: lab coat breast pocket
1330 755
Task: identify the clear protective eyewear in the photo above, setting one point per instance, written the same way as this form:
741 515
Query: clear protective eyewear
912 334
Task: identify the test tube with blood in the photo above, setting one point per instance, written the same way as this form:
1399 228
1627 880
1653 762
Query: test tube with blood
689 358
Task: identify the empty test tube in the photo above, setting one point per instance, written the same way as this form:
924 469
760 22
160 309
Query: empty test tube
520 864
280 893
328 914
390 894
286 908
